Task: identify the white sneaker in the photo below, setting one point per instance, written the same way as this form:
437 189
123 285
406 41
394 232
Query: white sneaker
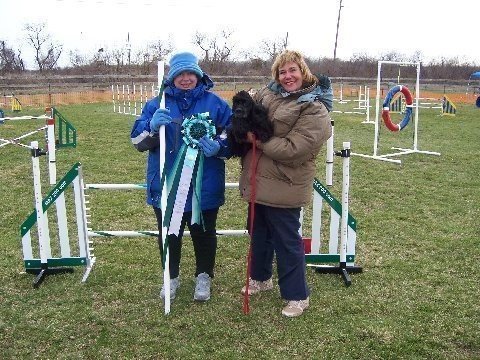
202 287
174 285
255 286
295 307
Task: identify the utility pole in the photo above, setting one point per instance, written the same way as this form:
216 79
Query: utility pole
336 36
129 47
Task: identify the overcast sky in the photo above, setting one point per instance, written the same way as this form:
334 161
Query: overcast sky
435 28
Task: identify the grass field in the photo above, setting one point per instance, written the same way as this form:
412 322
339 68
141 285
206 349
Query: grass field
418 242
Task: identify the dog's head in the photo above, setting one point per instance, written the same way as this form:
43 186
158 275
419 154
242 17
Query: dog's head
242 104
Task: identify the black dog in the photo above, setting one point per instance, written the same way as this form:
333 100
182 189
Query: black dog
247 116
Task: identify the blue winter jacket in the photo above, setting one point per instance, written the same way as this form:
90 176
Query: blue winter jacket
182 105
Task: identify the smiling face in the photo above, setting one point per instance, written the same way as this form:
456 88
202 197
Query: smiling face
290 76
186 80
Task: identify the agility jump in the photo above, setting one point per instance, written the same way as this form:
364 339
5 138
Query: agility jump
414 107
341 248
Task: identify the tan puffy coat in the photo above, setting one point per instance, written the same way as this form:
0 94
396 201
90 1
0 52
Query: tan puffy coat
286 163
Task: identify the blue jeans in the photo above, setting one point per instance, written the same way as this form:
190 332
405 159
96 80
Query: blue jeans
275 230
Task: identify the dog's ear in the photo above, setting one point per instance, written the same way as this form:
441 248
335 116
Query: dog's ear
260 111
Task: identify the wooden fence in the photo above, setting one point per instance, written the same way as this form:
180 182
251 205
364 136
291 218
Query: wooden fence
105 95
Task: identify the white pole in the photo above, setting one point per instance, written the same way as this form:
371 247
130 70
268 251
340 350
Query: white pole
163 203
128 99
417 98
368 104
228 185
60 201
118 99
377 109
144 233
52 168
134 101
113 98
82 223
43 239
124 101
345 188
329 159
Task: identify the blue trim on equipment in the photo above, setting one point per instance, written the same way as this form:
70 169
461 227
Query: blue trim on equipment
386 107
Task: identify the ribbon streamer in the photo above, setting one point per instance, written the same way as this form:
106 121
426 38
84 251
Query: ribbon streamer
187 170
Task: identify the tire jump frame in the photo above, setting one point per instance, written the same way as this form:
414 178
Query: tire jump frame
415 107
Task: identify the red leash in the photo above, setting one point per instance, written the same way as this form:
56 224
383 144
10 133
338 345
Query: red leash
253 171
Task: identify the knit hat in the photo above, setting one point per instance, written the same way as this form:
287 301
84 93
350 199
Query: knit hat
183 61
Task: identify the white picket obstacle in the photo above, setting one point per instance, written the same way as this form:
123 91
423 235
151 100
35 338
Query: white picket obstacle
341 222
399 151
46 263
66 138
363 104
56 124
129 100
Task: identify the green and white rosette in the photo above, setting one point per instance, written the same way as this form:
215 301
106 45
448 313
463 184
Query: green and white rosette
187 170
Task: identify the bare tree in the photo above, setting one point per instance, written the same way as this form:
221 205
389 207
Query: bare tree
272 48
204 43
392 56
222 46
147 57
117 56
46 51
417 56
78 59
161 49
217 49
9 60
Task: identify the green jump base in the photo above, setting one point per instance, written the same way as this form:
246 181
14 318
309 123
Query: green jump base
56 262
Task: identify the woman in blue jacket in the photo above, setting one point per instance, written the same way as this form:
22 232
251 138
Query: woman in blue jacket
186 94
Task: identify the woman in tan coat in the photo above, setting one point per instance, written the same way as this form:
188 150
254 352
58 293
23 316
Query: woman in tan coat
284 169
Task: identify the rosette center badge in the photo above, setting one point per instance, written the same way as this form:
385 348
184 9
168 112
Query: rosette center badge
196 127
